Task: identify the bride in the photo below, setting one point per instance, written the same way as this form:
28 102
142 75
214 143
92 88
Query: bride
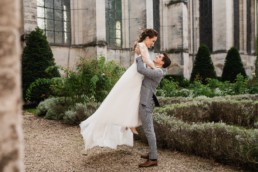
108 126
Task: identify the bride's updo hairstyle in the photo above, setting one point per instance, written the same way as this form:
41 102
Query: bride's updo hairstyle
146 33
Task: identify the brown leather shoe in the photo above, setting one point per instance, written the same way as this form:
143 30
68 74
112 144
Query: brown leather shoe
148 163
146 156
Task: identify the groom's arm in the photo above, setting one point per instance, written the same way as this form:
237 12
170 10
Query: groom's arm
151 73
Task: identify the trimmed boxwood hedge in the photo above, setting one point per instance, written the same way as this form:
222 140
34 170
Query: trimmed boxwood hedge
225 143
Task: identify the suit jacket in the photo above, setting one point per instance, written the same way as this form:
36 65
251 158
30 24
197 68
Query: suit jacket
152 78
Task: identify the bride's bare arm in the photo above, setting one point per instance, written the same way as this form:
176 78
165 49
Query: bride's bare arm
145 58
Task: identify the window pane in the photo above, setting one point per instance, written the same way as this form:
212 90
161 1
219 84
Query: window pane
111 4
118 42
118 15
67 4
49 3
49 24
40 2
67 27
58 15
66 16
59 37
114 22
58 26
41 23
49 13
112 42
118 34
50 36
67 37
118 5
53 16
40 12
112 33
58 4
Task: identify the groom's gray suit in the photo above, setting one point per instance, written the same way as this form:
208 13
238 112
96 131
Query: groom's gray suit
152 78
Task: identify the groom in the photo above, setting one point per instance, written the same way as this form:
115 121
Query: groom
148 101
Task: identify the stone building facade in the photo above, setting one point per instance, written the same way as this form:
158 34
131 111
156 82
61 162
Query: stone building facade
90 28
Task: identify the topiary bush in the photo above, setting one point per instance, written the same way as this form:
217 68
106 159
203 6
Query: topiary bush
233 66
256 61
203 66
37 57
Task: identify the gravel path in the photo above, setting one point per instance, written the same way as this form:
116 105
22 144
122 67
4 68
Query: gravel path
56 147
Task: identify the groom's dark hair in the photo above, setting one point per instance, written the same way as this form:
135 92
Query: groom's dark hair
166 60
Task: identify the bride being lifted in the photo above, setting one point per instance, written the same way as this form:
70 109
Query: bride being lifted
108 126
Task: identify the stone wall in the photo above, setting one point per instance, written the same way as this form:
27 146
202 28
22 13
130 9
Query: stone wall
177 36
11 149
29 15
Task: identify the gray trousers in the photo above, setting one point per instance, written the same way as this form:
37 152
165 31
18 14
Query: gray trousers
145 113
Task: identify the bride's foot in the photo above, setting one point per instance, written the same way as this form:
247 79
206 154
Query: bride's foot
134 131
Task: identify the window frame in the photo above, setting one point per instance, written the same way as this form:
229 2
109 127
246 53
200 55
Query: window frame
62 21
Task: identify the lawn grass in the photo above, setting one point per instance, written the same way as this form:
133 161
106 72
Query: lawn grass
34 111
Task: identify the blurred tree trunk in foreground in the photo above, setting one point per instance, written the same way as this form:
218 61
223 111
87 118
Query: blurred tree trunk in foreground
11 144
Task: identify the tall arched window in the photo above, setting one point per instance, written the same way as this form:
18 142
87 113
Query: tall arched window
53 17
114 23
206 23
156 22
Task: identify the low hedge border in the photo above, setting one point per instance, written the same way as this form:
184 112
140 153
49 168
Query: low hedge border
233 112
227 144
173 100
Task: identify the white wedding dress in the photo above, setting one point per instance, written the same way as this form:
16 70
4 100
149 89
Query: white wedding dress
110 125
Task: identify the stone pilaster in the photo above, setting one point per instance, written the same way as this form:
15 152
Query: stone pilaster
174 27
11 149
222 25
149 13
89 25
253 26
80 17
29 15
174 36
242 28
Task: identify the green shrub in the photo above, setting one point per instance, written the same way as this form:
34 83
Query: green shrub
80 112
43 106
203 66
39 90
36 58
76 114
212 88
252 86
240 86
168 88
182 82
233 66
93 79
54 107
61 108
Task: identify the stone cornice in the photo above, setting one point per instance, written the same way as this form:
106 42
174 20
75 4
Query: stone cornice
173 2
90 44
177 50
